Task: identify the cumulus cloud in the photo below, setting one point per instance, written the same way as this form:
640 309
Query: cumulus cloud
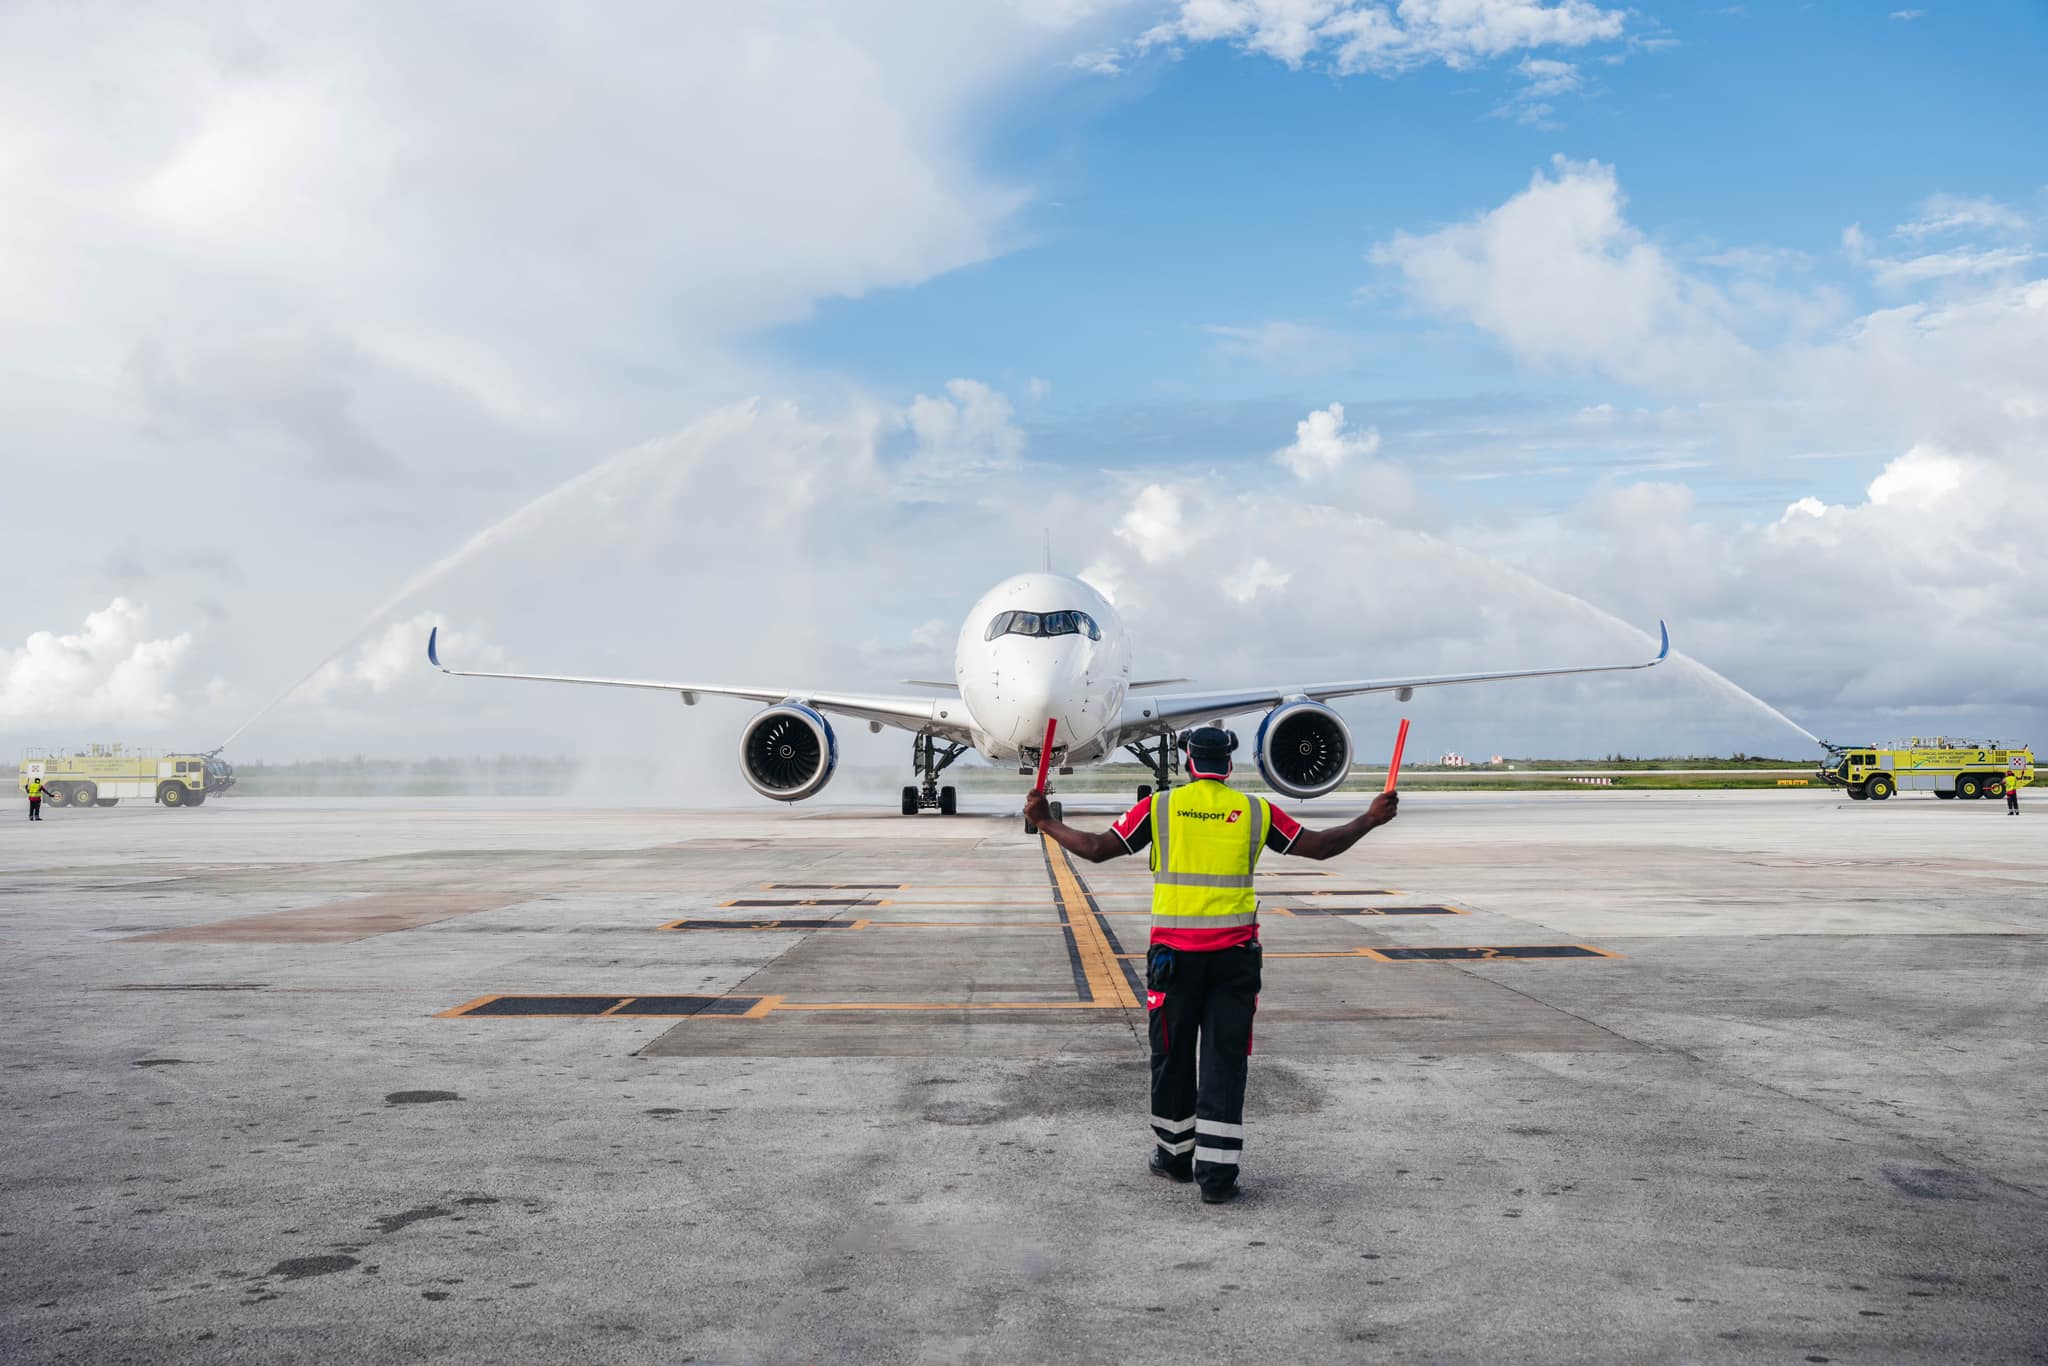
969 431
110 673
1153 525
1364 35
1559 275
1322 444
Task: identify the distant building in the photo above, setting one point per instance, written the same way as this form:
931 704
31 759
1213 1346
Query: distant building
1455 761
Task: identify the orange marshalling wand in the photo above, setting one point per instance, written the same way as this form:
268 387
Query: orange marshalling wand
1045 754
1400 743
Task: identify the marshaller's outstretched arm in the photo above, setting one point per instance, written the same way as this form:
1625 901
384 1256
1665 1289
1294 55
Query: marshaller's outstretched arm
1322 844
1097 846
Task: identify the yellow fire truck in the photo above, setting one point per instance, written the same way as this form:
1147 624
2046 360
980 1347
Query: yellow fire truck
104 774
1946 767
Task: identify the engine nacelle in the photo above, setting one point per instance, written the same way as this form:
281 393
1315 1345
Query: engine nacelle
1303 749
788 753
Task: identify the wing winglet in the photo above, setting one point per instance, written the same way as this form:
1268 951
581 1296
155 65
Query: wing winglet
433 655
1664 648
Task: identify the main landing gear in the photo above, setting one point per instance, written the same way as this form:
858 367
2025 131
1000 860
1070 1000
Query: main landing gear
929 760
1161 758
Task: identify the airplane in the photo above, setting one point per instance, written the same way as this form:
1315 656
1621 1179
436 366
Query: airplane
1036 648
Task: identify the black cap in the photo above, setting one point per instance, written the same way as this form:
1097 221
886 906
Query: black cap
1208 749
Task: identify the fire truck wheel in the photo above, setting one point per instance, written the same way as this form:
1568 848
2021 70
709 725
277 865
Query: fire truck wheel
1879 787
1857 793
1969 787
84 794
1995 788
109 801
1946 796
196 799
57 796
171 794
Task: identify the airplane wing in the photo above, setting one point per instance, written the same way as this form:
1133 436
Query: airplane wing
1162 712
941 715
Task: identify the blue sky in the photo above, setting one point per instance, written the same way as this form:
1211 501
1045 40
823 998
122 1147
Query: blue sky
1216 187
1460 313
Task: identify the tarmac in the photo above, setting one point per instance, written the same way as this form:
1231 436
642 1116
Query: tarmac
1680 1077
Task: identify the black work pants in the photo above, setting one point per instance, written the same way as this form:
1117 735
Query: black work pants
35 808
1201 1008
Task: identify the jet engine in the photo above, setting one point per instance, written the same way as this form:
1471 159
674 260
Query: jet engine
1303 749
788 753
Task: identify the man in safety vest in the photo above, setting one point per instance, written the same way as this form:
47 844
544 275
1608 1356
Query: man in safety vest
1202 970
2012 793
35 799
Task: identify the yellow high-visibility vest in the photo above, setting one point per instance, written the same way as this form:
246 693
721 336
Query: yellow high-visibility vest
1206 840
35 787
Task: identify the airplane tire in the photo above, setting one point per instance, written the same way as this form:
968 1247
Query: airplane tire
1029 828
1144 791
949 802
1059 812
910 801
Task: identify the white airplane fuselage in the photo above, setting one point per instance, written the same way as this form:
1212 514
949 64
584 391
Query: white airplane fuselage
1042 647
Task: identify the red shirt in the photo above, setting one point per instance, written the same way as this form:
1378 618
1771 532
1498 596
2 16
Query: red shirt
1134 828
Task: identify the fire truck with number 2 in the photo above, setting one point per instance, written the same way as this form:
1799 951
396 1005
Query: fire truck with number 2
1950 769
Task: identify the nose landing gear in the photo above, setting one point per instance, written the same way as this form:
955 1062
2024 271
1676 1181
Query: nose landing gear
928 760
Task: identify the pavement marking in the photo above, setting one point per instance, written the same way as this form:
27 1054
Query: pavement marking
834 886
765 925
337 922
745 904
611 1006
1106 980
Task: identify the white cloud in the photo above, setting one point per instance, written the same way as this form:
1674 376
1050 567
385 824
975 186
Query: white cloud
1367 36
1948 213
1921 477
1255 576
1153 526
1560 277
1544 79
1322 444
1808 506
111 673
965 433
1908 14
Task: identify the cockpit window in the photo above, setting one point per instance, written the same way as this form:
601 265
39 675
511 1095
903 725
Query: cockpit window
1043 624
